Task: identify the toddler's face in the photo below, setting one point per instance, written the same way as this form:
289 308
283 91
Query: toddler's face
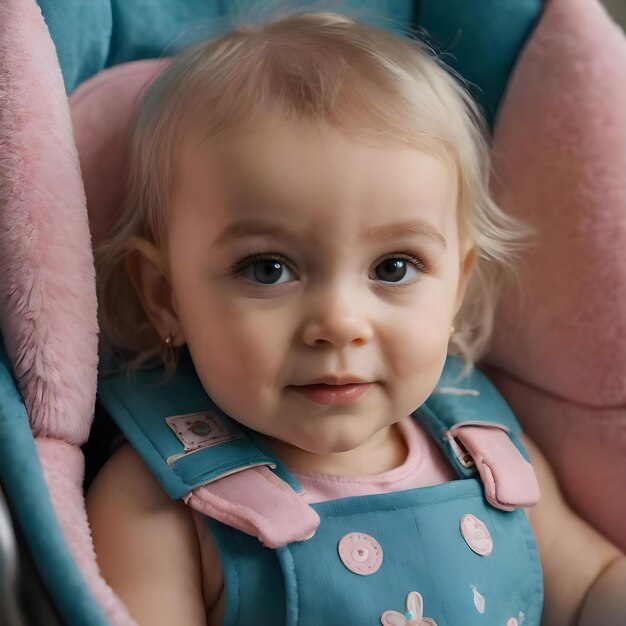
315 279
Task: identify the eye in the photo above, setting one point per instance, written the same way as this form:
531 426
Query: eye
265 270
397 269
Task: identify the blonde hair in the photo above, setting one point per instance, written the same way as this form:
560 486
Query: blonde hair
324 67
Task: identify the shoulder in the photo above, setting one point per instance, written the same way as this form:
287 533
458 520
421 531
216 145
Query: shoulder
550 492
124 473
146 544
573 554
125 487
553 516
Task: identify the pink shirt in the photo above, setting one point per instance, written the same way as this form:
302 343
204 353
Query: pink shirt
425 465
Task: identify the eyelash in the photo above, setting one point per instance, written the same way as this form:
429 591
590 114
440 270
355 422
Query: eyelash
258 257
418 265
417 262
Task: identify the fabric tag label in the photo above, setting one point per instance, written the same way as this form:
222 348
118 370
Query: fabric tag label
200 430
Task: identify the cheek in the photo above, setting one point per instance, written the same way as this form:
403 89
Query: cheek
421 348
416 347
231 343
237 352
422 329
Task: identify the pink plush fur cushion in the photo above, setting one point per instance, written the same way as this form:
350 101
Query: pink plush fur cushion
560 345
47 287
47 282
63 467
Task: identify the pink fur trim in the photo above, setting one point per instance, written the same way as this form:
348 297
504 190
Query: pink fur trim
63 470
47 280
561 344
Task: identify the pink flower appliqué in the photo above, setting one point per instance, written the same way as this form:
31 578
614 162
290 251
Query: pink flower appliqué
413 615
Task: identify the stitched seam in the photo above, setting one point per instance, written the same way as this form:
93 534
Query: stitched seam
534 556
293 587
419 534
360 480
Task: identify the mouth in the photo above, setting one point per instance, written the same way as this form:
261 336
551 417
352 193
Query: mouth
332 393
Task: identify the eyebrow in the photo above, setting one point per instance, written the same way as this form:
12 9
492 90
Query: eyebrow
247 228
413 227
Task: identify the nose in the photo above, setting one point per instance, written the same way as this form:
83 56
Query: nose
336 318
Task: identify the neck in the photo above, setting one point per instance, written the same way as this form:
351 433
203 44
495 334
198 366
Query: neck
382 452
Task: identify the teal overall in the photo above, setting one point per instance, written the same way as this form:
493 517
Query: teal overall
371 555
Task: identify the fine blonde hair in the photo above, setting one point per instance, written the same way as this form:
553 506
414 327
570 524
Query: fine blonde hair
323 67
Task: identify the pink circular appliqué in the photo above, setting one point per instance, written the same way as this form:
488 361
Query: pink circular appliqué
476 535
512 622
360 553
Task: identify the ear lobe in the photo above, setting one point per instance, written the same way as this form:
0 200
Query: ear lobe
146 270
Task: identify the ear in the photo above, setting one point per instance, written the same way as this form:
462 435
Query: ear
468 259
149 276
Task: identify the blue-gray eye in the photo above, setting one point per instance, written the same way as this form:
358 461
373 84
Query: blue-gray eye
267 271
395 270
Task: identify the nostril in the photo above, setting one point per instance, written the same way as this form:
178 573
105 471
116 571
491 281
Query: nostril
321 342
337 331
327 342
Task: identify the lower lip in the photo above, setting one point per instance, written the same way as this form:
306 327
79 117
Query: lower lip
332 394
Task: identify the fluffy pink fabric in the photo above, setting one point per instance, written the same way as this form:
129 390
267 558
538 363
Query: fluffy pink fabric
101 110
63 470
560 345
47 289
47 286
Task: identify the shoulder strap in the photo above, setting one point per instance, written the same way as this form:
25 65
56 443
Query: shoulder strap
183 437
198 453
464 394
478 433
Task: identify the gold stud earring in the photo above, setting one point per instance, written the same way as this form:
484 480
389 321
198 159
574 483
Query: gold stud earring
169 341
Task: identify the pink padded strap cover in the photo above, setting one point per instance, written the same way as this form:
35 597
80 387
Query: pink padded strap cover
508 478
258 503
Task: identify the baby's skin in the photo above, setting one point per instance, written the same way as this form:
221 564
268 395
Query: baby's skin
314 278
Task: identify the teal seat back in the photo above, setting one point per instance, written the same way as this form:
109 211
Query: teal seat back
480 39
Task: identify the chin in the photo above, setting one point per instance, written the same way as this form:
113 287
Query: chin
334 444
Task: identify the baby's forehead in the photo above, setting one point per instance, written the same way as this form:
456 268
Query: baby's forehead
302 146
296 170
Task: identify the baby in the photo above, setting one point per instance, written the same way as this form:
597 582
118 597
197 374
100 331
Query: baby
308 235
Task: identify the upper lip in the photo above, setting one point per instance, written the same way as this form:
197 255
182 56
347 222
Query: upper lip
346 379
